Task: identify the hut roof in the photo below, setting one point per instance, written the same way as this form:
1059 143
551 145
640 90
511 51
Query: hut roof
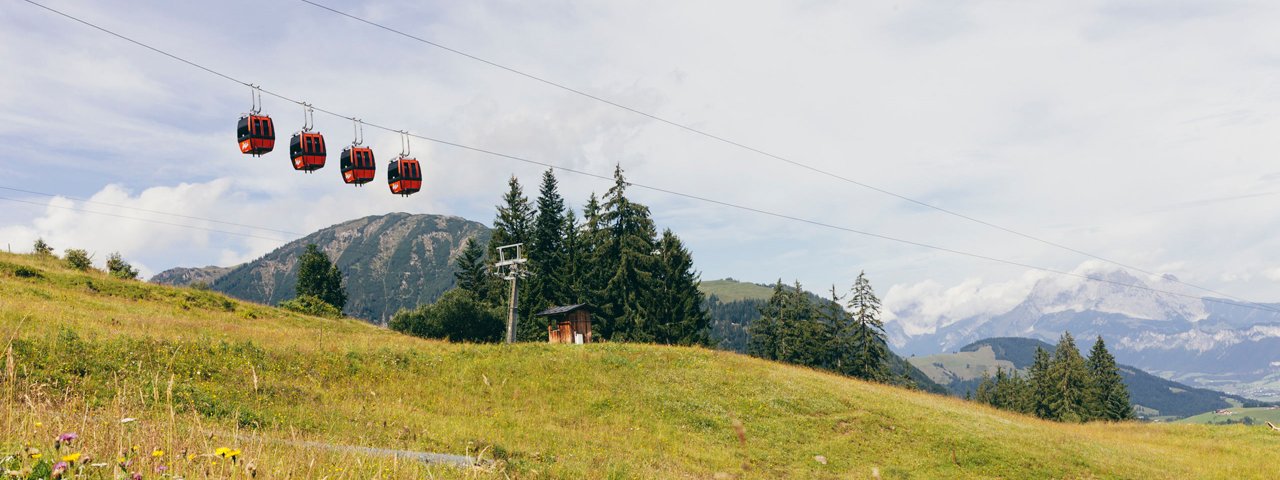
563 310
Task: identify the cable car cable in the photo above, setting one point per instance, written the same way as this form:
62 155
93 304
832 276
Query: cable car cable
1239 302
749 148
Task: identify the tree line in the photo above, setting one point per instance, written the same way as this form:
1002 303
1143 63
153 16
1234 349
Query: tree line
642 283
1063 386
848 339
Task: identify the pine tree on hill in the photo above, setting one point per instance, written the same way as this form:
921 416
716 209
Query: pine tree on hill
764 332
1039 389
803 338
1069 383
594 271
629 242
318 277
574 257
839 323
1109 398
472 272
871 354
678 301
514 224
546 250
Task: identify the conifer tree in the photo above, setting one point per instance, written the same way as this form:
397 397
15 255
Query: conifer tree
839 323
546 249
628 248
803 339
574 258
514 221
871 354
678 303
764 332
1039 388
1109 398
514 224
595 266
319 278
1069 383
472 271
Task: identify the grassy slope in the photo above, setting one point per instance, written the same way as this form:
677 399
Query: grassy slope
733 290
197 370
961 365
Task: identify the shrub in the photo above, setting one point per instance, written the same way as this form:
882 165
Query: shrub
120 268
42 249
79 259
311 305
458 316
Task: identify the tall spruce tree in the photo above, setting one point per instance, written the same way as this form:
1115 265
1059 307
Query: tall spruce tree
319 278
628 247
802 337
595 268
1069 383
548 287
514 224
574 258
764 332
838 321
871 353
678 303
471 270
1040 388
1108 396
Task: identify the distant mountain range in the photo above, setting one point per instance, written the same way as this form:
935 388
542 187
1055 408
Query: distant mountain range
1199 341
1152 396
389 262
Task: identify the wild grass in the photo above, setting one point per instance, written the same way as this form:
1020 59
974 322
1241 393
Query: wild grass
200 372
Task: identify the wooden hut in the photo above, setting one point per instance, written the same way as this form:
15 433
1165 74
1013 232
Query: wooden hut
568 324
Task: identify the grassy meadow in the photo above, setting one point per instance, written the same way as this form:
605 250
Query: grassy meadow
155 376
1259 415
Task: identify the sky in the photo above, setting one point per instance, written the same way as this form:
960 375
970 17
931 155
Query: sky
1143 132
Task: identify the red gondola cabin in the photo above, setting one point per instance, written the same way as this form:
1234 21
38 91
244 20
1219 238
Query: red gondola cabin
404 175
307 151
357 165
257 134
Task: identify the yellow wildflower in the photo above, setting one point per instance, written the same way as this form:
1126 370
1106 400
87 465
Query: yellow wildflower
222 452
36 456
71 458
234 453
157 453
191 456
39 424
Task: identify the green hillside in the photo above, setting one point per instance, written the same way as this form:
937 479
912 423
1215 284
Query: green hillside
730 290
1257 415
158 375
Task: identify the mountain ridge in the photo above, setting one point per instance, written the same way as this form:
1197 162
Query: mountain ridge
1198 341
391 261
